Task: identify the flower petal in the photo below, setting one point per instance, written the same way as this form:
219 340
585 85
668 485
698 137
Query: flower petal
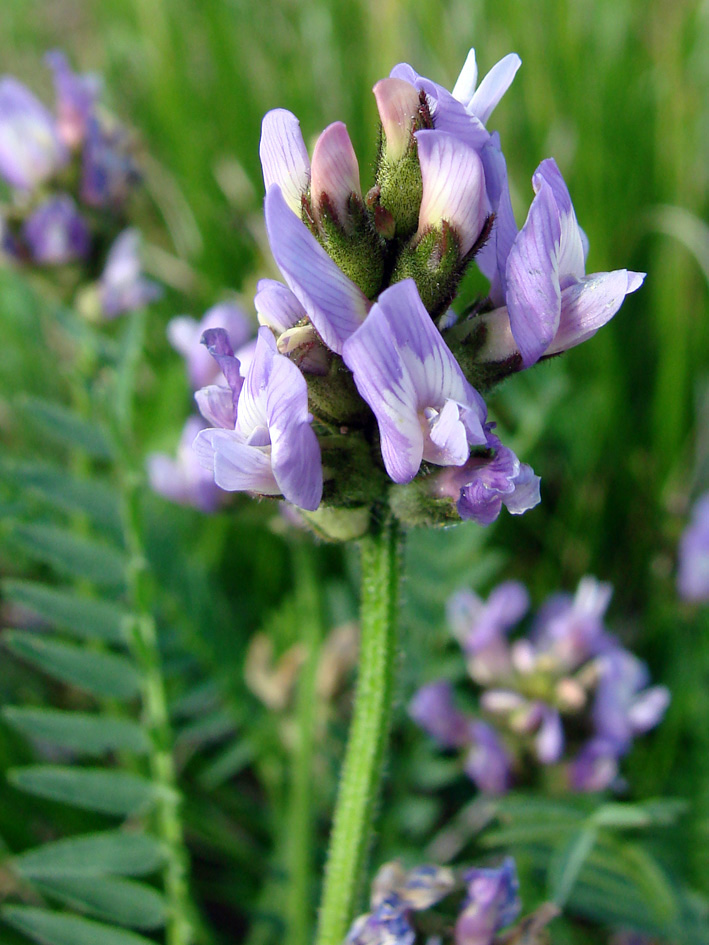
493 87
453 186
276 306
237 467
284 157
335 305
587 305
464 88
533 290
572 254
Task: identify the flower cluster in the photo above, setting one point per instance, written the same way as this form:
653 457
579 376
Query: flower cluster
566 694
490 903
364 387
69 176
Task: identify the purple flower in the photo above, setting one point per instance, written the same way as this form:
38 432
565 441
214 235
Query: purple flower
76 98
185 336
487 482
108 169
284 157
571 628
425 408
487 761
272 449
481 100
182 479
395 895
453 187
123 287
30 148
492 903
624 707
551 305
276 306
56 233
595 768
433 709
693 567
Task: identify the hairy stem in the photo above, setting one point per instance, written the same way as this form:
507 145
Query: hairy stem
364 758
300 815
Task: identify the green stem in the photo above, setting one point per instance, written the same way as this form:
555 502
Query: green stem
300 816
364 757
180 925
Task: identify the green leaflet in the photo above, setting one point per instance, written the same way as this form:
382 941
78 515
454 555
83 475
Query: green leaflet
51 928
567 862
66 427
64 491
78 731
110 792
102 674
80 616
71 554
95 854
121 901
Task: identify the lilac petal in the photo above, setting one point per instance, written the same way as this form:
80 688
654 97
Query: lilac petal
492 258
485 483
335 305
526 494
185 335
433 709
217 343
448 438
693 554
649 708
56 232
183 479
453 186
571 254
549 743
76 98
335 171
284 157
492 903
464 88
108 169
533 290
493 87
587 305
216 404
402 367
488 763
237 467
595 767
295 452
30 149
276 306
123 287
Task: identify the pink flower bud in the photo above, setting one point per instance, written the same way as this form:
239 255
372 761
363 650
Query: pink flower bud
398 104
334 175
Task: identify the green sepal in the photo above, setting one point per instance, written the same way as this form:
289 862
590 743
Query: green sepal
338 524
333 397
353 244
435 264
414 505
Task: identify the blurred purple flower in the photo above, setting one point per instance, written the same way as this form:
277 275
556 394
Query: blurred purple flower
433 709
693 565
30 148
272 449
487 761
185 336
123 287
572 628
76 97
491 904
108 169
56 233
182 479
595 768
395 895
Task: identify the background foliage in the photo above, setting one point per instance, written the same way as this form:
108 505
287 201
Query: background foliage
618 92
